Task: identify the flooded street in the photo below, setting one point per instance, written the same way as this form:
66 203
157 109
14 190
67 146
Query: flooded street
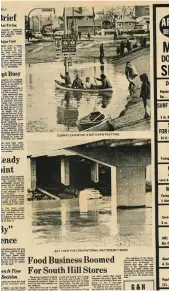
50 110
70 223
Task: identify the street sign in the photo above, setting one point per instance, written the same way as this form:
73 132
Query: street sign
72 47
65 46
58 45
47 9
70 62
68 45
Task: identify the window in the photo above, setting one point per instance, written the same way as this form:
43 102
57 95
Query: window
147 10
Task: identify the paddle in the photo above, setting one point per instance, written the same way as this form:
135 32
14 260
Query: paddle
95 81
96 117
95 75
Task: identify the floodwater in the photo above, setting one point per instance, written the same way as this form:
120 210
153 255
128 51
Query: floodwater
71 223
50 110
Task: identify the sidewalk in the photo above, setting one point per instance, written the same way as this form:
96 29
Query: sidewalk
132 117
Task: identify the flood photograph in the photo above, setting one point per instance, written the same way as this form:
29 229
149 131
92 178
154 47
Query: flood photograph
88 69
91 193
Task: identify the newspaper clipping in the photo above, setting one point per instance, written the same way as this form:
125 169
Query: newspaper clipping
84 145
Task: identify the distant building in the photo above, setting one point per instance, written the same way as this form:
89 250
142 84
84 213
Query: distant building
35 24
143 22
38 22
142 11
82 18
125 23
88 26
57 22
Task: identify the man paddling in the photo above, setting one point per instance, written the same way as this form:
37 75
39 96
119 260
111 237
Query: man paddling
67 79
105 82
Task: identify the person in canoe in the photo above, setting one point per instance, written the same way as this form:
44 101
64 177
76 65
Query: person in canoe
105 82
88 84
67 79
77 83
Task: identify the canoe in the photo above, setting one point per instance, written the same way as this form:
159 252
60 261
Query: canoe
61 86
95 121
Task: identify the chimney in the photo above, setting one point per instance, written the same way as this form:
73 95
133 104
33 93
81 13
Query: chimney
80 10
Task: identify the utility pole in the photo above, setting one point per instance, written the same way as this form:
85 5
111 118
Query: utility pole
31 12
65 33
73 12
94 30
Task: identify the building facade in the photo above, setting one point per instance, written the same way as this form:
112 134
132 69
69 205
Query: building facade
125 23
142 11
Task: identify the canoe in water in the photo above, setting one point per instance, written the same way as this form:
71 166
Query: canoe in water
61 86
95 121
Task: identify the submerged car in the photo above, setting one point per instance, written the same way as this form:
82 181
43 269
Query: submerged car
90 193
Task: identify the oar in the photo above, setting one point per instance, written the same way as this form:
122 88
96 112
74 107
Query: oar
95 81
96 117
95 75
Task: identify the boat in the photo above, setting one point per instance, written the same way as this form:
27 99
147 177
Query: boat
61 86
90 193
95 121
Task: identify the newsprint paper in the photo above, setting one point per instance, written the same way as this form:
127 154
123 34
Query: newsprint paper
85 145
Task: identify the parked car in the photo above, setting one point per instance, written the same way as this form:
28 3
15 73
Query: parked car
48 34
59 33
105 31
137 31
38 35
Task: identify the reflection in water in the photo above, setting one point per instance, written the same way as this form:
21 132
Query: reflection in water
92 223
30 81
67 113
65 218
43 100
101 69
89 209
104 99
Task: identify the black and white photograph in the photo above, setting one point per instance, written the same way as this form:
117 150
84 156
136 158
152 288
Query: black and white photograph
96 193
87 68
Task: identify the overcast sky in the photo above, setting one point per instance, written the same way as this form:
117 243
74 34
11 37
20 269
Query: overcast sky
60 5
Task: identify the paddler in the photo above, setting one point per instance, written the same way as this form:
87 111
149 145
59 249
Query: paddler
105 82
77 83
131 73
67 79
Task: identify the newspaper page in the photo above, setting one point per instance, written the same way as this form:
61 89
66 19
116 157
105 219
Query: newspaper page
84 145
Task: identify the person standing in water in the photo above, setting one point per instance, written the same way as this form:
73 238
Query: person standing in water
101 54
88 36
131 74
79 34
145 94
122 49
